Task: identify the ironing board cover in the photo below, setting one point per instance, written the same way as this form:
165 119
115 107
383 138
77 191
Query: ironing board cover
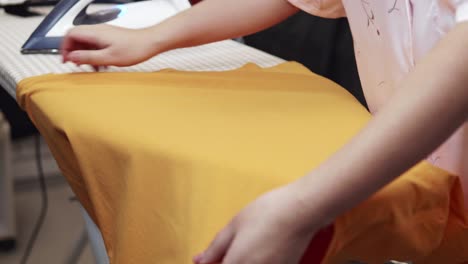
163 174
14 66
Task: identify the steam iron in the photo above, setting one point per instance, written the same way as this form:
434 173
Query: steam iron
47 38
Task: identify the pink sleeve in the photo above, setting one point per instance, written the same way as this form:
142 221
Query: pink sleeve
461 9
321 8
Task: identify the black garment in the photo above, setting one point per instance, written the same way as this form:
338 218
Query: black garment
19 121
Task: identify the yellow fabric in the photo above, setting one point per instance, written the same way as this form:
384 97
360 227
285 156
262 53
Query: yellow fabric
162 161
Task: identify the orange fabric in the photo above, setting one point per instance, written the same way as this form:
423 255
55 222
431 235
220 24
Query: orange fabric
419 217
162 161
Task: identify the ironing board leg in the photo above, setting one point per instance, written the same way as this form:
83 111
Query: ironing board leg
95 239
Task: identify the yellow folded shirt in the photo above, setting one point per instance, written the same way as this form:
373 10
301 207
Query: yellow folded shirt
162 161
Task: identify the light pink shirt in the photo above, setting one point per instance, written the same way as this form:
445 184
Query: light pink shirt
390 36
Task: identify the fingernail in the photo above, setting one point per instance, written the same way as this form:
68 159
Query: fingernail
198 258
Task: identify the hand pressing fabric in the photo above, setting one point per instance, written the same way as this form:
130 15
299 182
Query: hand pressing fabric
269 230
105 45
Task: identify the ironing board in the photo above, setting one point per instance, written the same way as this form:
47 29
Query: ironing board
15 67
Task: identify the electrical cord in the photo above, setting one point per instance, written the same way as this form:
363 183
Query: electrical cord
44 202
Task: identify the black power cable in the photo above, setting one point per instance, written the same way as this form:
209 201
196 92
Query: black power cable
44 201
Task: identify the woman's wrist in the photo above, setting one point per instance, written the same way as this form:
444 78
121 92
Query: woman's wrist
310 212
157 41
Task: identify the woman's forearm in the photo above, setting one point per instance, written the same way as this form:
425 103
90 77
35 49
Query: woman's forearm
430 104
214 20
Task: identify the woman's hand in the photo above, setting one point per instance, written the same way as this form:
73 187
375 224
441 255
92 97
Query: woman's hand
273 229
105 45
206 22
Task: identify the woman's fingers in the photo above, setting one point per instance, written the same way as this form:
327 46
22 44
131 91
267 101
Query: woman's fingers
217 248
